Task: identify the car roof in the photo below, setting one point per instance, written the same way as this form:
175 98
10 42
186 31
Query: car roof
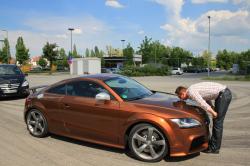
102 77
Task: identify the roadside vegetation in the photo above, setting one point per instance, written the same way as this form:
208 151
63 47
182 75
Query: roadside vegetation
147 70
157 58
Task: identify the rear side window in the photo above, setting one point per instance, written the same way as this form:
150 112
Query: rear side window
60 89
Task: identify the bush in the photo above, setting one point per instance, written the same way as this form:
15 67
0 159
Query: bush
147 70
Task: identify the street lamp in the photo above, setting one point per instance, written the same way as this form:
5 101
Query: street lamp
71 30
122 45
208 69
7 40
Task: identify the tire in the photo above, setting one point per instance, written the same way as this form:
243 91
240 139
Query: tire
36 123
147 143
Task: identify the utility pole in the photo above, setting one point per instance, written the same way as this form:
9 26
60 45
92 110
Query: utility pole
122 45
208 69
71 30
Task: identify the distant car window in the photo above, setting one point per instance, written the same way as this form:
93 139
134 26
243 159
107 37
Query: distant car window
60 89
85 89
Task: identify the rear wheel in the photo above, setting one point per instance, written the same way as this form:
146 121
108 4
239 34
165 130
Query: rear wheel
37 123
147 143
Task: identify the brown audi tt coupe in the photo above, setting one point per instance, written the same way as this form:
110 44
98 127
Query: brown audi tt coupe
117 111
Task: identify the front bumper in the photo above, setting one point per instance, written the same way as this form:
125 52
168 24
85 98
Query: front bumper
20 92
188 141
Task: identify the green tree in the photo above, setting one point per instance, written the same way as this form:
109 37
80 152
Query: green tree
207 56
128 53
22 53
42 62
244 61
62 54
198 61
224 59
5 52
113 51
158 52
62 59
92 54
178 56
50 53
97 52
75 54
87 53
145 49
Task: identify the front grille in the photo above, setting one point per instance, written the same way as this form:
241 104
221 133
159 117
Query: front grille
9 86
197 143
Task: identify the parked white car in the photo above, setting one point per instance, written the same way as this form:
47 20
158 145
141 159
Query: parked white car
177 71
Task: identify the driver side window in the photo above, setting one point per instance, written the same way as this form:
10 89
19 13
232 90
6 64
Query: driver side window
85 89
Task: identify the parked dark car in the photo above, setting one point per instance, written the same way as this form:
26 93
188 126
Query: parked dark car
192 70
117 111
13 81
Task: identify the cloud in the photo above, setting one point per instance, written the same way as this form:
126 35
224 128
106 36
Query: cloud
225 22
64 36
208 1
141 32
243 3
77 31
114 4
89 31
229 29
173 7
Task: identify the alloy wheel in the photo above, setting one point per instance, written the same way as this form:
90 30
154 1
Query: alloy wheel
36 123
148 143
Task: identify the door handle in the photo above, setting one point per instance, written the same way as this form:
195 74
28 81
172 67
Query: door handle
66 106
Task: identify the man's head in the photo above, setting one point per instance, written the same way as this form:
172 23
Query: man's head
181 92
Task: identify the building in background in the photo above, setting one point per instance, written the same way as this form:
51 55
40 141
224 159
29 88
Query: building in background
80 66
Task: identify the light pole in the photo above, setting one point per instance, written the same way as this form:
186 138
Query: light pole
208 59
122 45
71 30
8 41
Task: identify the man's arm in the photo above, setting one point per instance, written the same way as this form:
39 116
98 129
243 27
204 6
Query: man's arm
203 104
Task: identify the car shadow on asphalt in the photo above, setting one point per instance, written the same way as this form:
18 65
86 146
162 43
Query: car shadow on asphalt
116 150
88 144
179 159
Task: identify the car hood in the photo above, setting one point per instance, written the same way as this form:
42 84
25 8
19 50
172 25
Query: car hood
170 104
11 79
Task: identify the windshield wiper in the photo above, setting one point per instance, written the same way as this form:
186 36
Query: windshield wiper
135 98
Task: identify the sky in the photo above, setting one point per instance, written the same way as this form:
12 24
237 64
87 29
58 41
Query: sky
182 23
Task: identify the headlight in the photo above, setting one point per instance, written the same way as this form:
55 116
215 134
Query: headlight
186 122
25 83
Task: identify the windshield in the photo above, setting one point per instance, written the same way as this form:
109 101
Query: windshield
9 70
128 89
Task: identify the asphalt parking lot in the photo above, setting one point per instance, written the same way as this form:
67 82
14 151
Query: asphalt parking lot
17 147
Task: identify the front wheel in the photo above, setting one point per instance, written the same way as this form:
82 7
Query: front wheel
36 123
147 143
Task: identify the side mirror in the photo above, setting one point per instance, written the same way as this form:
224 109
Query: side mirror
102 96
26 74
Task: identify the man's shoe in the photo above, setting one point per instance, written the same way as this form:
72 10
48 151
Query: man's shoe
211 151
